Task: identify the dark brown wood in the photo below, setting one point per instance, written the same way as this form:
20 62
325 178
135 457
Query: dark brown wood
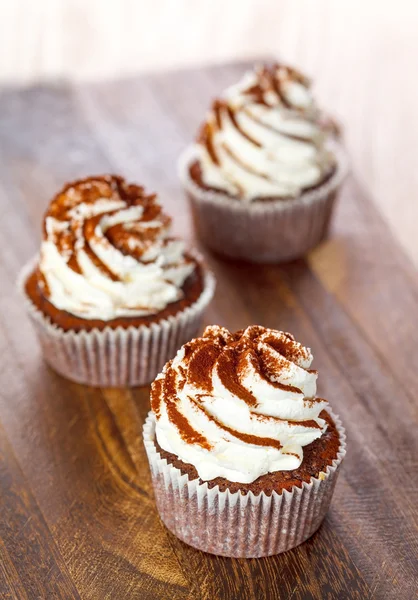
77 517
31 565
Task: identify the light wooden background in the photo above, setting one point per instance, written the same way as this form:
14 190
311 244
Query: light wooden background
363 55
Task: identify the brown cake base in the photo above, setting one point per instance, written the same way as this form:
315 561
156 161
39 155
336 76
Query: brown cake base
191 289
196 175
254 521
317 456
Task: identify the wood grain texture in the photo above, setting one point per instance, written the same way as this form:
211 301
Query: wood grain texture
31 564
77 516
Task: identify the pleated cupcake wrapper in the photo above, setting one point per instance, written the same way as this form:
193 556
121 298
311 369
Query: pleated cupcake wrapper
116 357
265 232
233 524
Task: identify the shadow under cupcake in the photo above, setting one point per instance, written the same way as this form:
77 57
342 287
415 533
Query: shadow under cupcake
264 174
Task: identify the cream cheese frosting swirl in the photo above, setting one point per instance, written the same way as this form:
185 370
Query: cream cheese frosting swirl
265 138
107 253
238 405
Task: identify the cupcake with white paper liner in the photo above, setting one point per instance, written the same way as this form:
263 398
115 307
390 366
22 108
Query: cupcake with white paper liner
244 456
266 169
112 294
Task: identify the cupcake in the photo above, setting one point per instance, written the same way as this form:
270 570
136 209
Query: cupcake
112 295
265 171
244 456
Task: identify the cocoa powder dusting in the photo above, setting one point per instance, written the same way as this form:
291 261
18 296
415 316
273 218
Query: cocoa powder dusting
156 396
217 107
201 365
269 370
237 126
189 349
245 437
275 85
227 371
186 431
205 138
287 347
73 264
98 263
309 423
257 93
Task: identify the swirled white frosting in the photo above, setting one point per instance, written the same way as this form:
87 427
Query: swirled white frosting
107 253
265 137
238 405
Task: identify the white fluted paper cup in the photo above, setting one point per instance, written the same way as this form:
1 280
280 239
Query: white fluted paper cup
116 357
263 232
234 524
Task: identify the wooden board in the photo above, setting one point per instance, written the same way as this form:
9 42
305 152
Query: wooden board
77 516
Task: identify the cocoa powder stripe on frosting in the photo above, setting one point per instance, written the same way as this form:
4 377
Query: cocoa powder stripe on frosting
257 93
307 423
89 236
227 371
287 134
200 366
254 360
274 84
98 263
183 426
156 396
243 165
245 437
232 116
73 265
217 107
286 346
206 139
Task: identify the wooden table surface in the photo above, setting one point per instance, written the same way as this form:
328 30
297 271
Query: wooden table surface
77 515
